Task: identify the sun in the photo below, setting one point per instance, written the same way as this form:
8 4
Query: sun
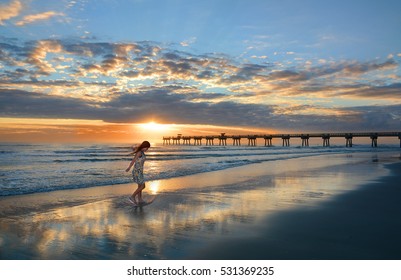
156 127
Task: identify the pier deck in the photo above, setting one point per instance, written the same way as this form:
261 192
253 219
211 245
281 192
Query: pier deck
252 139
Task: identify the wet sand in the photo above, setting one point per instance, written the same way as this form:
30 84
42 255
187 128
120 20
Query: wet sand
321 207
362 224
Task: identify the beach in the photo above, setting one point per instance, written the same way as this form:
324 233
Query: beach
337 206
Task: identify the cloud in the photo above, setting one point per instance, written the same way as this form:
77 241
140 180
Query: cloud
128 82
187 43
340 69
392 91
19 103
10 10
38 17
14 8
147 60
162 104
129 108
37 56
379 117
361 68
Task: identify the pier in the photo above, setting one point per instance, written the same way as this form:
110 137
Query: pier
268 138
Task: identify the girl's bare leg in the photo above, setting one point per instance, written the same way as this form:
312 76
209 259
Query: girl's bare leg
138 192
135 194
132 198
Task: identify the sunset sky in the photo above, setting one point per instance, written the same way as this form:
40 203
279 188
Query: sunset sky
89 70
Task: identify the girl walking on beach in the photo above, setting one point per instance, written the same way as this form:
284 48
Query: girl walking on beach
137 172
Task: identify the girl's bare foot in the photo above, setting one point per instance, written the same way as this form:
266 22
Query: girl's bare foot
132 200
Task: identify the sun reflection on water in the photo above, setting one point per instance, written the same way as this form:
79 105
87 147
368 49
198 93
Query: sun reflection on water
154 187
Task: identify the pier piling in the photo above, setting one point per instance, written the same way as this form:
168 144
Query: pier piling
286 140
305 140
374 140
399 137
326 140
186 140
251 140
222 139
198 140
268 141
209 140
177 140
348 140
236 140
166 140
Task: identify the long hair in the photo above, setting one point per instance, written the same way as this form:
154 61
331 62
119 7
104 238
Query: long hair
145 144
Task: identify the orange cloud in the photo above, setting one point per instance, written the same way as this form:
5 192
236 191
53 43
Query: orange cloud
10 10
37 56
38 17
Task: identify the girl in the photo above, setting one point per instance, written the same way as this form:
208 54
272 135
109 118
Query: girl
137 171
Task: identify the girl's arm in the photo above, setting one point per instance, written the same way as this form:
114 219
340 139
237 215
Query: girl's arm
132 162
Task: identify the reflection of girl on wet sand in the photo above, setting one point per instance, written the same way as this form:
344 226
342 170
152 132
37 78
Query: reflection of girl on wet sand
137 172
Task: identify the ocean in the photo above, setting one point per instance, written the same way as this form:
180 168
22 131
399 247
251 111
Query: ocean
33 168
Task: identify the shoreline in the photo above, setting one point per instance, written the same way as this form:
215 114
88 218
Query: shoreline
44 201
192 215
98 169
